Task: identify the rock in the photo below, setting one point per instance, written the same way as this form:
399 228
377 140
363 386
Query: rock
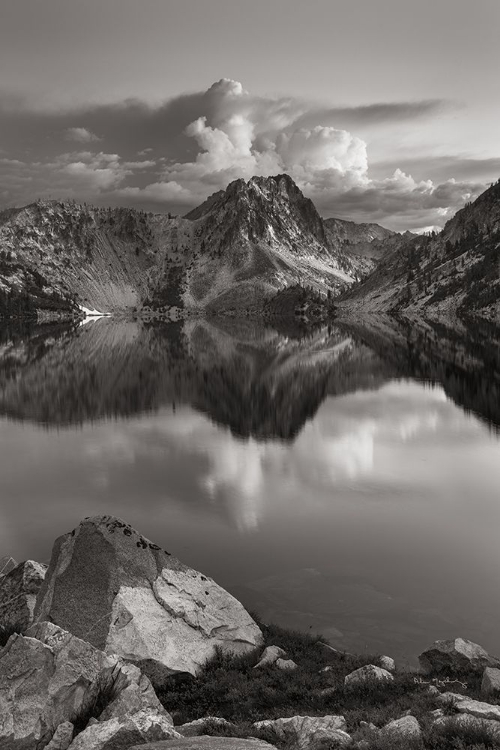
456 655
7 564
407 727
328 668
465 705
109 585
115 734
433 690
438 713
62 737
490 684
206 743
368 725
270 655
134 693
197 727
285 664
305 730
388 663
369 673
18 591
49 677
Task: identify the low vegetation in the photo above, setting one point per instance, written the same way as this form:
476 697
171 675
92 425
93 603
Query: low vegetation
230 687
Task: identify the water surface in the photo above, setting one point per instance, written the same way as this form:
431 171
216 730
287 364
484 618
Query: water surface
345 482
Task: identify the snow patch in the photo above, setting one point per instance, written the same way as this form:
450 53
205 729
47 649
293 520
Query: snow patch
92 314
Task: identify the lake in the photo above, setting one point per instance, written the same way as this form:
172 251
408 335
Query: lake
343 480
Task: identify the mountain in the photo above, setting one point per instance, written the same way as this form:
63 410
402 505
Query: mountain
362 245
454 272
232 253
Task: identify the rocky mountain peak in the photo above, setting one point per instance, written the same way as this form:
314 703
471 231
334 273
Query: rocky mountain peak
263 208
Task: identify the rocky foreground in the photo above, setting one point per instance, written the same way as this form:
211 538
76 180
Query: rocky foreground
118 645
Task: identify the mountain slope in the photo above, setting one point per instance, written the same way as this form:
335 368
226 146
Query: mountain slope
362 245
454 272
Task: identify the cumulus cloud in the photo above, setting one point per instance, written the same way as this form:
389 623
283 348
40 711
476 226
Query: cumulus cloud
242 138
196 144
82 135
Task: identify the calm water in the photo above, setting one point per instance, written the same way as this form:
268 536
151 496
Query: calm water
346 482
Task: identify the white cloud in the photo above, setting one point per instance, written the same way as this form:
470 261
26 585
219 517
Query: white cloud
81 135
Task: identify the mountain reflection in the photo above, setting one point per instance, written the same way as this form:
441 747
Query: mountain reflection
258 382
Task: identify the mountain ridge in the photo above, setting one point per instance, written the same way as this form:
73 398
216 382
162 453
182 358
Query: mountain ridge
455 272
232 253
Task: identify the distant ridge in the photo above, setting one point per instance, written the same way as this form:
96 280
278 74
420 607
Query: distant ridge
455 272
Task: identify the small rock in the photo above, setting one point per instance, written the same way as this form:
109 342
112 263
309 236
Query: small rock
196 728
465 705
270 655
326 669
433 690
306 730
457 655
285 664
436 714
368 725
387 662
491 681
407 727
365 674
61 739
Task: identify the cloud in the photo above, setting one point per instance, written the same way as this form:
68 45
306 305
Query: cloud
83 175
195 144
82 135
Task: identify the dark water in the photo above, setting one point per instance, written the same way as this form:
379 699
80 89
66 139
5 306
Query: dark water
345 482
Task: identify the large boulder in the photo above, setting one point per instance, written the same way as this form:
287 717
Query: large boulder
304 731
18 591
109 585
456 656
49 677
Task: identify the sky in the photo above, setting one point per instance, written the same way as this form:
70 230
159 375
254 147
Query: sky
381 110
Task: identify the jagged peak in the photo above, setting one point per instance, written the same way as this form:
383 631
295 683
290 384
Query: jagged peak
258 187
